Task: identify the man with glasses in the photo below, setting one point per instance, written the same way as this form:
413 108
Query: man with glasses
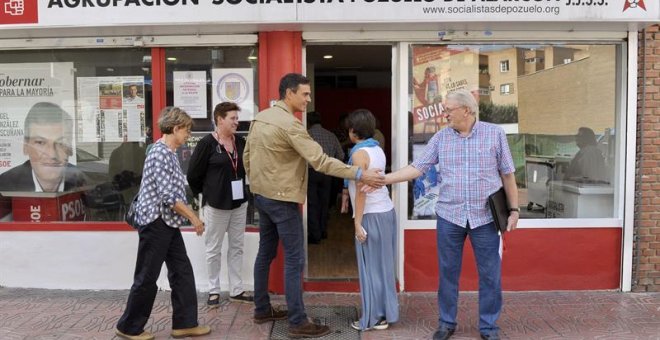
47 141
474 161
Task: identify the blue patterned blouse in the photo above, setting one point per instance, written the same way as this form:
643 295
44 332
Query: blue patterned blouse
163 184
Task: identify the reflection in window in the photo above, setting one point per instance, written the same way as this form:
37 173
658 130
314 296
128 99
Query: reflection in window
560 121
200 78
80 133
506 88
504 66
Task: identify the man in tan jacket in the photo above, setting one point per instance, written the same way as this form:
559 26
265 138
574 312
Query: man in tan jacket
276 154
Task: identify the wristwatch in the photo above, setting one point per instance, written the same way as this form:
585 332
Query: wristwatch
514 209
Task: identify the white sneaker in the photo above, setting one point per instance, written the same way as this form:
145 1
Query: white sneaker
381 325
356 325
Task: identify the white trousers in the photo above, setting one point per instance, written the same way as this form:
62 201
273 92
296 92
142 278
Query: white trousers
218 222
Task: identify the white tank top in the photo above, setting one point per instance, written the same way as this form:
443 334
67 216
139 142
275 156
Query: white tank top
379 200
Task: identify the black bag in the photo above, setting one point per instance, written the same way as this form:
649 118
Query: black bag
130 217
499 207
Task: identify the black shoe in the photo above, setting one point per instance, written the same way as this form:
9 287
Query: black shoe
214 300
272 315
242 297
443 333
493 336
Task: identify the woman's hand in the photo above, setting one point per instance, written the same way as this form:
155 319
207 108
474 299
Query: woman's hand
360 234
199 226
344 201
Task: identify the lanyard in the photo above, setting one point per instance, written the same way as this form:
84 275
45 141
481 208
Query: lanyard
233 159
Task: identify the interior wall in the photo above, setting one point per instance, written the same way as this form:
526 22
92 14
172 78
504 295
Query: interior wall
333 102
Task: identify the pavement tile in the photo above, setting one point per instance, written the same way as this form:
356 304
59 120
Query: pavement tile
38 314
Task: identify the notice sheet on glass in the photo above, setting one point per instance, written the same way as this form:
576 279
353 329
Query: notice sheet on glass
111 109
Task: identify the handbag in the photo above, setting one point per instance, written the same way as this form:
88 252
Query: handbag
499 207
130 217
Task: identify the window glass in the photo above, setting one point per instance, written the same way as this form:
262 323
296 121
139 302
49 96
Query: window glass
557 106
73 129
200 78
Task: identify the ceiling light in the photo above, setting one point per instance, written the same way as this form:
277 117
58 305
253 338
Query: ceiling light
252 57
327 56
171 58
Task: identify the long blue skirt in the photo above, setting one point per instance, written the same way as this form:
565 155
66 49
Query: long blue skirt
376 259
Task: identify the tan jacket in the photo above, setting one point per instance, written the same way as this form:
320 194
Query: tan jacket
276 154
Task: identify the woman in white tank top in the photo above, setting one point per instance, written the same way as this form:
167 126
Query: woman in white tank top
375 229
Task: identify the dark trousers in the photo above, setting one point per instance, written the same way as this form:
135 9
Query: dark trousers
160 243
279 220
318 200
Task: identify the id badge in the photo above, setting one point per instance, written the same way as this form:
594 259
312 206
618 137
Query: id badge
237 189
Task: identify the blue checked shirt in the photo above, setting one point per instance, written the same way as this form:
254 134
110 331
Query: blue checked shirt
469 171
163 184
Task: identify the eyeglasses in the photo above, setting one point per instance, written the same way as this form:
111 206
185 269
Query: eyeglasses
450 110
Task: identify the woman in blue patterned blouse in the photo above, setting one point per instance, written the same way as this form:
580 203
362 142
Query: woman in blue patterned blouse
161 209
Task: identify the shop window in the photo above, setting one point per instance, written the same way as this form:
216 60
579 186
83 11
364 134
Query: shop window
561 126
74 125
504 66
200 78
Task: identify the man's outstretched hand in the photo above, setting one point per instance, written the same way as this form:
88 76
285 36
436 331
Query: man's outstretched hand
373 178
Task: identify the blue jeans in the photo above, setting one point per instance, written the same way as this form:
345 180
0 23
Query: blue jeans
486 245
280 220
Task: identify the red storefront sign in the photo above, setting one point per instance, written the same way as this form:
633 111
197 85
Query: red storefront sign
19 12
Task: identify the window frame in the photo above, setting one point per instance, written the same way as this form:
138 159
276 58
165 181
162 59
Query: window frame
623 113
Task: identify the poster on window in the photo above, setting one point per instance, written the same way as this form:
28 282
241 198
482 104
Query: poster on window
36 122
190 92
235 85
111 109
425 189
436 71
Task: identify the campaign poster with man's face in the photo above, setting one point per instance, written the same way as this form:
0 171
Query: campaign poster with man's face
38 88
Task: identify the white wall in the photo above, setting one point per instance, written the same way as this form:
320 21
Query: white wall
97 260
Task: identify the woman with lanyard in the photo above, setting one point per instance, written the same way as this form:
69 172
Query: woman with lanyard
216 170
375 229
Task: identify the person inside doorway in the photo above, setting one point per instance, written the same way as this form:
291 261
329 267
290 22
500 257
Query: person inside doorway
319 186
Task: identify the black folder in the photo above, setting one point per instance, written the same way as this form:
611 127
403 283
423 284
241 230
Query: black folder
499 207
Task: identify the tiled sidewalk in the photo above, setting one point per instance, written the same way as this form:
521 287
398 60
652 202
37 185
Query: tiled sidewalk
66 315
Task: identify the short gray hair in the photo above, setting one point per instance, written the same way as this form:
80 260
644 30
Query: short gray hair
171 117
48 113
464 98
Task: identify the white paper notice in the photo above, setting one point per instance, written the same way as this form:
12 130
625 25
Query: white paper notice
111 109
190 92
235 85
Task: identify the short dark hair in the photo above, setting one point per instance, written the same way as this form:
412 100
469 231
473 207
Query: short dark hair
222 109
292 81
313 118
45 112
363 123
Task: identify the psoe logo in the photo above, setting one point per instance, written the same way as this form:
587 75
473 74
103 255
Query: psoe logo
19 12
634 4
14 7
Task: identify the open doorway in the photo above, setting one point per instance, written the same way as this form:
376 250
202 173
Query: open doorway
345 78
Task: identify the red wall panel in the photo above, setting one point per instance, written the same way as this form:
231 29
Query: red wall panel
534 259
